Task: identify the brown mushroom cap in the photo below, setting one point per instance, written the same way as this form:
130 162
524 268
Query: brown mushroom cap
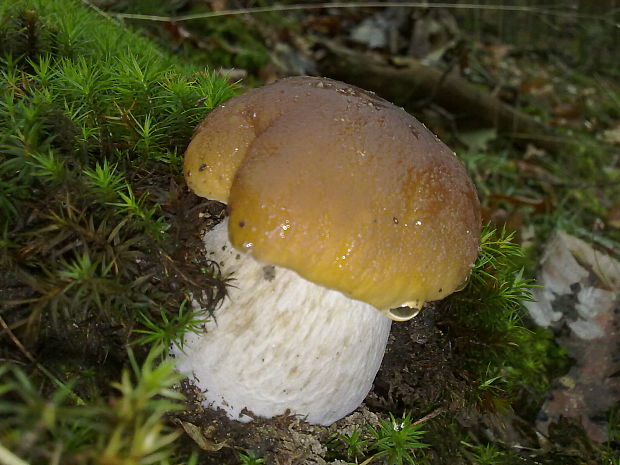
342 187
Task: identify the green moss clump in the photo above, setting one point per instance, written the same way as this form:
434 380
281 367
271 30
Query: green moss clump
510 359
94 120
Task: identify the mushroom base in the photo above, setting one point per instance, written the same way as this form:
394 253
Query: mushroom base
281 343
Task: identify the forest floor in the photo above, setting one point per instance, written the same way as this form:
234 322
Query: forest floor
529 100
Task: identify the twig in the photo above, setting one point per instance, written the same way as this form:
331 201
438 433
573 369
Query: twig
321 6
430 416
100 11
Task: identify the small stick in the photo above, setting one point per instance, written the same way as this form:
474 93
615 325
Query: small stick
430 416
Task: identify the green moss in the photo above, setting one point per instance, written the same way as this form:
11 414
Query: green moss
508 358
127 429
93 122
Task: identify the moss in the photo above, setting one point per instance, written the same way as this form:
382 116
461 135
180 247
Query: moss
507 356
93 122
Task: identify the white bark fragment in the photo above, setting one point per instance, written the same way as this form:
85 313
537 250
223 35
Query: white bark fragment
566 271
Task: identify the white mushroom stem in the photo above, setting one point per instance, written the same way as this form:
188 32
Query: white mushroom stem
280 342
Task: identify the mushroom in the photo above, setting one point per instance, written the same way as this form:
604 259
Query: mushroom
344 213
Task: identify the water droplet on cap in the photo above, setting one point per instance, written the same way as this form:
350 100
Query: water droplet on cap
405 312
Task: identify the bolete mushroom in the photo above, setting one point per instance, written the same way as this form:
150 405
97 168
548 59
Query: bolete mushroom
344 212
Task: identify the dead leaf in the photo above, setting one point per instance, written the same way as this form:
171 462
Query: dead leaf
577 297
537 172
542 205
612 136
177 33
568 110
372 32
613 217
499 51
531 152
199 436
434 33
181 34
219 5
537 87
327 25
